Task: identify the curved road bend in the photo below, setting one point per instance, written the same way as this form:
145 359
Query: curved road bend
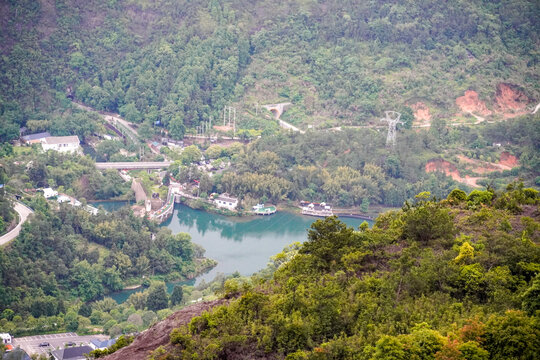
23 215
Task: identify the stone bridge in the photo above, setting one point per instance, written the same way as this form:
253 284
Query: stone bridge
277 109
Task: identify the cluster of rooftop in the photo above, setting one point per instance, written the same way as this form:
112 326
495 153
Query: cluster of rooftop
316 209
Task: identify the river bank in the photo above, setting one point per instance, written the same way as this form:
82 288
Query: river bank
171 280
351 212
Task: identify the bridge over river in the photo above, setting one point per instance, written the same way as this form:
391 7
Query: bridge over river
140 165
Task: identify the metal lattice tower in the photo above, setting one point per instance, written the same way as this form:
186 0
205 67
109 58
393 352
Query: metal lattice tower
392 118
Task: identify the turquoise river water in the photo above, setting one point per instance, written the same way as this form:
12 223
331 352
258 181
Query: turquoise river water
237 244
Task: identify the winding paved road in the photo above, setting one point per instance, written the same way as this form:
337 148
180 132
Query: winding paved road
23 215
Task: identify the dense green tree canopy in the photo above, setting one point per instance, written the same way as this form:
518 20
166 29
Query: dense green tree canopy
387 292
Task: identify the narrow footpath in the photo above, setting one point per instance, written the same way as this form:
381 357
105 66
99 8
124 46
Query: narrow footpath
23 212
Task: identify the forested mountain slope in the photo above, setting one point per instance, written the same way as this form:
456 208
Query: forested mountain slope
178 63
65 259
455 279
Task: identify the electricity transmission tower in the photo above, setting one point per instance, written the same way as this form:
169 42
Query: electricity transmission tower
392 118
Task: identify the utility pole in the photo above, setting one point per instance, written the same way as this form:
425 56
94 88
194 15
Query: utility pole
392 118
229 116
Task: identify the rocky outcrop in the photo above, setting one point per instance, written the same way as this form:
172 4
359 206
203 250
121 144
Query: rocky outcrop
158 335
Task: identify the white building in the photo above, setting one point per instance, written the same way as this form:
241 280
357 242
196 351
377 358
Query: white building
49 193
61 143
63 198
226 201
5 338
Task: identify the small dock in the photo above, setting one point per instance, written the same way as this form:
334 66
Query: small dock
316 209
260 209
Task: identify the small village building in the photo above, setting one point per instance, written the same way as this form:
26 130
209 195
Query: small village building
5 338
61 143
72 353
35 138
226 201
90 209
97 344
63 198
49 193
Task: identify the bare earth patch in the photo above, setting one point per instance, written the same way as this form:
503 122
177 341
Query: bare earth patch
421 113
470 103
507 162
510 101
451 170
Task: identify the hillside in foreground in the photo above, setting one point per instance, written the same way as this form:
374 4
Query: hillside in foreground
450 279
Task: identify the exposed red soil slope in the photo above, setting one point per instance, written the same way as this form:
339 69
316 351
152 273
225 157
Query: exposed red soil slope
158 335
508 160
479 167
510 98
508 101
421 112
445 167
470 103
451 170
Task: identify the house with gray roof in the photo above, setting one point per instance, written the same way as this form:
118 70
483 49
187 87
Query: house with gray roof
72 353
35 138
97 344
